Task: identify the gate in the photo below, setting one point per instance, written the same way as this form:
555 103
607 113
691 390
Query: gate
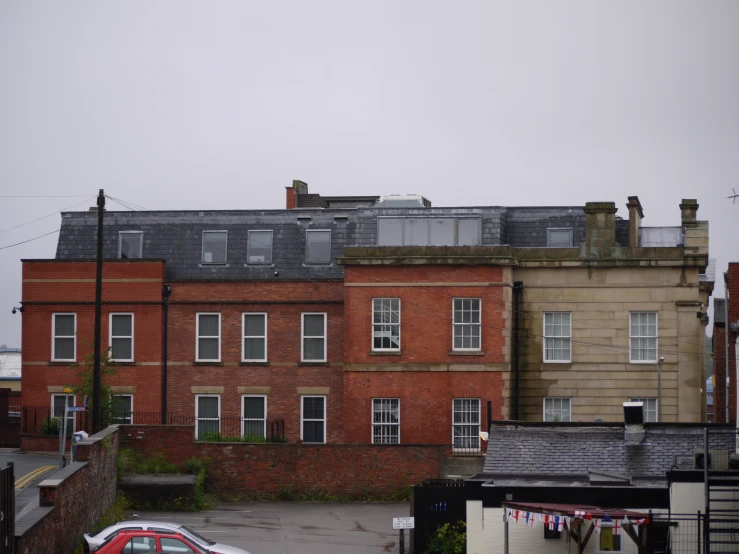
436 502
7 510
10 418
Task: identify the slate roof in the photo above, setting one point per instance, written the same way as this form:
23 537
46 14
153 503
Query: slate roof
176 236
548 450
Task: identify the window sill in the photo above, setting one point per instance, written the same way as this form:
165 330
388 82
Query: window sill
643 362
62 362
386 352
207 363
213 264
127 362
314 363
255 363
466 352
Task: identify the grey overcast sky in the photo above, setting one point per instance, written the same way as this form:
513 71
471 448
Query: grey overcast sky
208 105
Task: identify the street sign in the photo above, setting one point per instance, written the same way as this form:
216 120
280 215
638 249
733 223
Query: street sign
404 522
76 408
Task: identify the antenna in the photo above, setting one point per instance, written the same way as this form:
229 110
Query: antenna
734 196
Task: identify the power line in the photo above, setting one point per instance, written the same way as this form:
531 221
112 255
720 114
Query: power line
44 217
43 196
598 346
29 240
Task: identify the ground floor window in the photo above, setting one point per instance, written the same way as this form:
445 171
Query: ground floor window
385 420
557 409
466 423
207 416
121 409
254 417
313 419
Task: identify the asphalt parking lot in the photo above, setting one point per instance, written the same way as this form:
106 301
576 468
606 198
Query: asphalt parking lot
297 527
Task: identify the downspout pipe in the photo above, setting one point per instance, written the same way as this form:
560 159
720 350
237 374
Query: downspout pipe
166 291
517 290
726 347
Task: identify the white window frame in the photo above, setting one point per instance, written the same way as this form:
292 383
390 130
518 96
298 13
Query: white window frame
120 243
111 337
131 397
560 229
54 337
655 337
400 329
243 417
202 247
546 337
71 416
271 246
197 409
244 337
197 337
462 324
479 423
569 405
314 262
325 410
644 400
383 424
404 220
303 336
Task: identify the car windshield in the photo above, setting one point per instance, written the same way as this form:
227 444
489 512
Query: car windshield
199 538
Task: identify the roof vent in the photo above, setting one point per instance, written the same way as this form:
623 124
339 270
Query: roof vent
403 201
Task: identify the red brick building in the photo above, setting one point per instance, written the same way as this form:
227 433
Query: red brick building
367 320
721 354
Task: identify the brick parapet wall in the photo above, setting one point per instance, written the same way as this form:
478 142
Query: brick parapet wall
234 468
87 489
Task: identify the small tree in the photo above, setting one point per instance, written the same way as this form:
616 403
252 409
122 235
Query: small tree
85 373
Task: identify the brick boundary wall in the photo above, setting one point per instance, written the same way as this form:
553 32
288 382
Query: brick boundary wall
348 469
41 443
86 489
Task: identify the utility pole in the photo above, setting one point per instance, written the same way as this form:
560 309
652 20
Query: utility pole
96 412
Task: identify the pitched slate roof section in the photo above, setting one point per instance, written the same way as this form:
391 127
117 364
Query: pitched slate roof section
176 236
571 450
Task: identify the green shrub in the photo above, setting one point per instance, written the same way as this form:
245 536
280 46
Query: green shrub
450 538
215 436
50 426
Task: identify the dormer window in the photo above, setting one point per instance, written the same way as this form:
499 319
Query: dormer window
559 238
428 231
214 247
130 244
259 247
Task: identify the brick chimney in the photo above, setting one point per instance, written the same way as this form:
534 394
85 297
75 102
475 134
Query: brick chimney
636 214
291 198
600 227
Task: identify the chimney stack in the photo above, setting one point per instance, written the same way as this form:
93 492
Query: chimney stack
689 212
636 214
291 193
600 227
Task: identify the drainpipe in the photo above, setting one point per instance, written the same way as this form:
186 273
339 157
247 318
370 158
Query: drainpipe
517 289
166 291
726 346
659 389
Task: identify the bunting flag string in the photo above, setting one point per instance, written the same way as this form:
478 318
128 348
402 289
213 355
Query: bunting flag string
552 522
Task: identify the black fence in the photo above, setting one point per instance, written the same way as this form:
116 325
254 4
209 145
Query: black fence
434 503
7 509
721 481
10 418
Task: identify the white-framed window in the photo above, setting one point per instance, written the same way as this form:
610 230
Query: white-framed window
318 247
557 337
254 416
130 244
207 416
208 337
313 419
121 337
466 323
643 337
57 411
466 423
254 347
386 324
63 337
385 421
121 409
559 238
313 343
557 409
259 247
649 408
214 247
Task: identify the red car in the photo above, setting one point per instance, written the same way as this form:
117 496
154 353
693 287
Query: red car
149 542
